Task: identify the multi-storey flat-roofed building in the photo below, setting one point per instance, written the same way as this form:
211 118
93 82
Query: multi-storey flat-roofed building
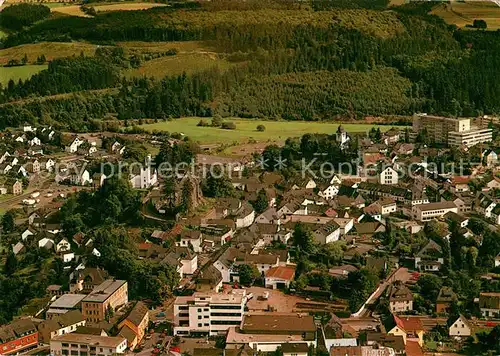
208 313
109 294
85 344
452 131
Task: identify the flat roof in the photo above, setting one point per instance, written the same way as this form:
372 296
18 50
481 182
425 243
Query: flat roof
103 291
92 340
234 337
67 301
292 323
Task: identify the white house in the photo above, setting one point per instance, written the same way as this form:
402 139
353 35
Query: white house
327 233
245 216
46 243
388 176
460 328
329 192
73 147
4 156
497 260
63 246
35 141
68 257
26 233
279 277
190 237
80 178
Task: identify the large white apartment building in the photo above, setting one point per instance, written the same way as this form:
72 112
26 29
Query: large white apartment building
426 212
84 344
208 313
452 131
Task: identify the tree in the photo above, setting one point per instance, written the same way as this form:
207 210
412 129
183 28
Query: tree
261 128
302 237
217 185
429 286
228 125
187 192
216 121
10 264
261 203
8 222
478 23
247 274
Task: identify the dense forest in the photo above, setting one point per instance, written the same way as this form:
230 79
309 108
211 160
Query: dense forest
322 62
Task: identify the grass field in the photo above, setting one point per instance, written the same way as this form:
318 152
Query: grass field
464 13
16 73
175 65
51 50
246 129
74 10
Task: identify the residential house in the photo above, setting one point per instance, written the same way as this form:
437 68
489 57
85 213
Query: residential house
46 243
182 257
60 325
459 184
33 166
26 233
279 277
80 177
327 233
18 248
18 336
460 327
87 279
445 299
14 186
490 157
63 246
489 303
485 204
388 176
35 141
134 326
454 218
295 349
35 150
190 238
400 298
269 216
410 328
73 146
430 258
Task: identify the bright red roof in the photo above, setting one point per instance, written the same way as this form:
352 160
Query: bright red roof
286 273
412 348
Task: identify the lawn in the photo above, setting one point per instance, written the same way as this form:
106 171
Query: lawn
181 62
16 73
246 130
464 13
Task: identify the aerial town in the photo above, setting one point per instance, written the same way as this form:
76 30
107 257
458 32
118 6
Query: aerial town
400 256
250 177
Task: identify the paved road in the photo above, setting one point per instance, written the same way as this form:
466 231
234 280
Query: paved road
401 274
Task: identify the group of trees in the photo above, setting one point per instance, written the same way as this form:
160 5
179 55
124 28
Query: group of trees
313 262
17 16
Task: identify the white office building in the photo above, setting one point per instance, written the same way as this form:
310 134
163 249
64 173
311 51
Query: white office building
208 313
430 211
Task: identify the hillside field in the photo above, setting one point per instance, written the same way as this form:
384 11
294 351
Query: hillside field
247 129
464 13
74 10
22 72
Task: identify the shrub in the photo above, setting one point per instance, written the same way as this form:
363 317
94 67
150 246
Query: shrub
261 128
228 125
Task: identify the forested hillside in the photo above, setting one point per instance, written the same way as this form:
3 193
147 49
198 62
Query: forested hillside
296 62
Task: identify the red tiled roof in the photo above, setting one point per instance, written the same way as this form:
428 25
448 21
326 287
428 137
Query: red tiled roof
412 348
144 245
286 273
409 324
460 180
